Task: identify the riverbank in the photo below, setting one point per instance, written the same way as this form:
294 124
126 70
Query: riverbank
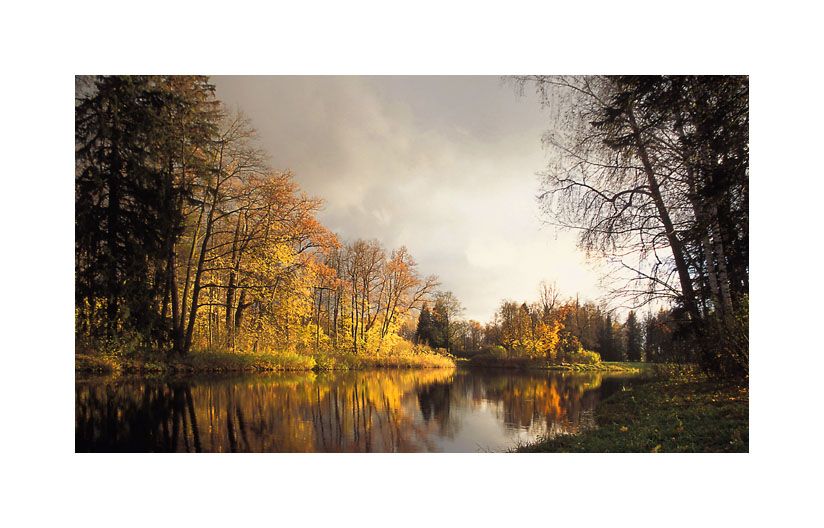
215 361
688 413
487 361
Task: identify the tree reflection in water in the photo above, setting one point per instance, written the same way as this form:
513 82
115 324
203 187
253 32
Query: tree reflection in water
365 411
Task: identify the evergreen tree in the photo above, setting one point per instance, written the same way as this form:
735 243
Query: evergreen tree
128 205
633 334
652 341
123 203
439 336
424 332
609 350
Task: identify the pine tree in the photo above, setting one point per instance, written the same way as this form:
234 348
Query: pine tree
439 337
128 205
633 333
609 351
424 332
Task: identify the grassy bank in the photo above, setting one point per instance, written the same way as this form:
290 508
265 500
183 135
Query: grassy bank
688 413
488 361
216 361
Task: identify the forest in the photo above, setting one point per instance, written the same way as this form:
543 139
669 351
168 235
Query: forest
554 330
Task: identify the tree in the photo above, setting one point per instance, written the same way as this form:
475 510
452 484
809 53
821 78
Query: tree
475 337
446 311
634 339
549 296
609 348
404 288
425 327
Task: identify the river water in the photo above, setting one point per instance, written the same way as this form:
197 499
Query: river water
424 410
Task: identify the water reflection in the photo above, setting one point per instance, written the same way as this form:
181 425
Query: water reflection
365 411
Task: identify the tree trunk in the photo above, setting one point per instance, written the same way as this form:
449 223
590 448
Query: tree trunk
676 246
113 213
181 347
723 277
199 274
230 289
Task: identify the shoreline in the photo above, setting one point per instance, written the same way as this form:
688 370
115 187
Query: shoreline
684 414
541 364
239 362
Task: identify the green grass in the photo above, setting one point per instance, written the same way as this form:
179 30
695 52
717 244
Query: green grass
632 366
682 414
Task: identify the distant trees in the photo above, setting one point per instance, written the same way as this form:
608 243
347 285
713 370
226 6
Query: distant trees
442 327
584 332
654 172
571 331
471 338
539 330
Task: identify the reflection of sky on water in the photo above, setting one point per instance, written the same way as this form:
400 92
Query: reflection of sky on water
481 430
372 411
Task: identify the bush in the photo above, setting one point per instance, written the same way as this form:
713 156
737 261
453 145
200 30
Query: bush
495 351
585 357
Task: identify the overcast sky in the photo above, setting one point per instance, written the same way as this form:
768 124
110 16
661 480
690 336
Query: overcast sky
443 165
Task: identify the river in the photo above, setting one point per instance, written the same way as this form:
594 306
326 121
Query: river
425 410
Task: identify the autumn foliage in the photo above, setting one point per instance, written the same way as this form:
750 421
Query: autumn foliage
187 239
536 332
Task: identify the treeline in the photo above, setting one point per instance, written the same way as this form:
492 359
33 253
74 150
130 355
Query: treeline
185 237
571 331
653 172
555 330
548 329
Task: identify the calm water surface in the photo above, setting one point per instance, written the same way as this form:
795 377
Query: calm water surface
437 410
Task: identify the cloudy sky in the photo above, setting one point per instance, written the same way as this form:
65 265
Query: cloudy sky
443 165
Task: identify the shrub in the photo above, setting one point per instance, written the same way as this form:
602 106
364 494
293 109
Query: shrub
586 357
496 351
